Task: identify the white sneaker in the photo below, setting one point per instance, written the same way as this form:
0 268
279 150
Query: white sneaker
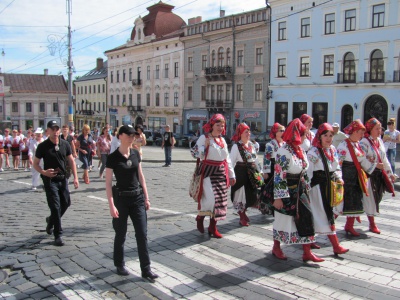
26 170
1 170
34 188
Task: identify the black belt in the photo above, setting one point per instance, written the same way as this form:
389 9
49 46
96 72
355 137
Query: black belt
130 193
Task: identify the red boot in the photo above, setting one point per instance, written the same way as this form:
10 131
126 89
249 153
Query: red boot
372 225
308 255
200 223
245 216
212 229
358 219
349 227
315 246
243 220
277 251
337 249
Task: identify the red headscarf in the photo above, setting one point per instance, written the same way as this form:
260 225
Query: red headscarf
239 130
292 135
369 125
304 118
214 119
317 139
275 128
354 126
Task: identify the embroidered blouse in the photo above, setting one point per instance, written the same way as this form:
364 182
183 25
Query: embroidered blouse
370 152
344 155
270 153
250 156
316 164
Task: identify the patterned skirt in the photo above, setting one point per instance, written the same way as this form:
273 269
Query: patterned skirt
243 184
15 151
352 191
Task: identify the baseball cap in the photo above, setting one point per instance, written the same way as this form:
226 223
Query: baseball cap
53 123
127 129
335 125
39 130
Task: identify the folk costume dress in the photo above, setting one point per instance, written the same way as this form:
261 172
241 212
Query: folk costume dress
375 184
16 144
243 194
267 191
320 198
293 223
307 143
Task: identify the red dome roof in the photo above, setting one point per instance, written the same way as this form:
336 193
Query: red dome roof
160 21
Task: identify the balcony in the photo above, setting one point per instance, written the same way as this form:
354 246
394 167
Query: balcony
396 76
132 109
218 73
218 104
85 112
346 77
371 77
137 83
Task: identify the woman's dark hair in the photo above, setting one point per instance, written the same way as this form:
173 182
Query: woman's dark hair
139 126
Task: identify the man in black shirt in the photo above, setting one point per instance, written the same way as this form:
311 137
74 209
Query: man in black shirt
56 154
168 142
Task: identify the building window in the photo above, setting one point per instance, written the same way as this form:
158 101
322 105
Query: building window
148 100
90 89
213 58
282 67
220 57
378 16
130 99
130 74
166 99
118 100
123 75
28 107
228 57
212 92
157 99
240 58
14 107
299 108
157 72
104 88
328 65
123 100
55 107
139 100
176 99
319 113
281 113
203 62
176 69
282 31
42 107
166 71
228 92
220 92
329 23
377 67
98 88
190 93
305 27
259 56
258 90
148 72
104 106
239 92
350 20
112 100
112 76
203 93
349 68
190 64
117 76
304 66
94 89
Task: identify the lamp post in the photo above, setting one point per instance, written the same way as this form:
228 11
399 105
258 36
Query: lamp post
269 92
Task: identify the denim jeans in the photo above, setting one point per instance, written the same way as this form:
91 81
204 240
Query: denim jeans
103 162
391 155
168 152
134 208
58 200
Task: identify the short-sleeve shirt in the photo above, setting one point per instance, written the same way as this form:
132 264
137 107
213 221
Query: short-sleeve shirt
167 139
125 170
85 144
393 135
52 158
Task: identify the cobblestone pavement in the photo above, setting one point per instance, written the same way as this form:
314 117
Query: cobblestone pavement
191 265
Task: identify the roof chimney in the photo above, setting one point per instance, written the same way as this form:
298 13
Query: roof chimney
99 63
194 20
46 71
222 13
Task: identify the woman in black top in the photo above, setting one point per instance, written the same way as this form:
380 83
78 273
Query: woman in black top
85 145
128 198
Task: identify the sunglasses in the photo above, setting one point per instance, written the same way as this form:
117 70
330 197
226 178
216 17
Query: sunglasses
390 123
282 130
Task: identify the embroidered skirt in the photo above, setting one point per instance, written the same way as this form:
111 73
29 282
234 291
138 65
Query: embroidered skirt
352 191
243 195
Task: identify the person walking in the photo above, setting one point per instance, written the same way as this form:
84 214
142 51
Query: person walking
308 122
354 164
246 166
103 148
85 144
267 191
374 150
115 142
56 154
293 223
140 139
15 145
168 142
128 198
217 174
324 167
2 144
392 138
31 154
6 147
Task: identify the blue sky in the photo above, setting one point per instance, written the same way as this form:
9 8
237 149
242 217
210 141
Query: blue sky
97 25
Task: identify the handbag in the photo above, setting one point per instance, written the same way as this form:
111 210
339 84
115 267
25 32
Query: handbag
337 193
196 183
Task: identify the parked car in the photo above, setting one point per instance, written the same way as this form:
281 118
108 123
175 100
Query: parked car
262 139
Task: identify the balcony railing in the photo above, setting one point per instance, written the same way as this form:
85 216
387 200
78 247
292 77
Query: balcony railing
137 82
85 112
396 76
218 103
346 77
218 73
374 76
134 108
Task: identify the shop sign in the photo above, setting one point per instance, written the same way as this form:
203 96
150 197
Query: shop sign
251 115
113 111
196 117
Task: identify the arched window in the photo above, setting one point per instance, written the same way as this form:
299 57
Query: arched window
377 72
349 68
347 115
220 57
376 107
228 56
213 58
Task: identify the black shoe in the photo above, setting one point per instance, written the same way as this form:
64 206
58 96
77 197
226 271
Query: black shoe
149 275
122 271
49 227
59 242
165 165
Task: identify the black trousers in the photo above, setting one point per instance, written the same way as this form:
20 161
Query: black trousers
134 208
58 200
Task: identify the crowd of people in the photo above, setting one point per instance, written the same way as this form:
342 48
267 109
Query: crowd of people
306 181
